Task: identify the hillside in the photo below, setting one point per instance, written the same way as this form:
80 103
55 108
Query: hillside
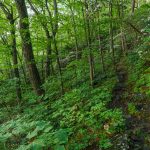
74 75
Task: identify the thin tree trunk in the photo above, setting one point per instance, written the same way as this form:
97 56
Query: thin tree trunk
8 62
42 66
48 63
9 15
91 59
100 47
133 6
75 31
84 22
10 71
48 69
15 61
111 33
59 65
121 16
54 27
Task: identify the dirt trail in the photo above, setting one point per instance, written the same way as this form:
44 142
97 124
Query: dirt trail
137 134
120 87
139 127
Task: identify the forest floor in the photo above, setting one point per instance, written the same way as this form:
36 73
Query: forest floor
137 133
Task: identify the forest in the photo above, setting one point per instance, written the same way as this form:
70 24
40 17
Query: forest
74 74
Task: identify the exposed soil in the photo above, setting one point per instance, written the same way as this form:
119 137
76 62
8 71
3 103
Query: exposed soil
137 134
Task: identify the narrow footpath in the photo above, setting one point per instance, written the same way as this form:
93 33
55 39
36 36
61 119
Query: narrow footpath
137 133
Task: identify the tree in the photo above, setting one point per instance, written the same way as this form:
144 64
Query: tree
89 31
27 47
44 24
133 6
10 17
111 32
54 28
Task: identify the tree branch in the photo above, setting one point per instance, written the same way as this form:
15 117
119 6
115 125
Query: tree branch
136 29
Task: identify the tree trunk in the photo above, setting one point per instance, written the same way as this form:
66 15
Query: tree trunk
15 61
75 31
23 69
27 47
9 15
111 33
133 6
84 23
48 63
100 47
54 27
121 17
88 29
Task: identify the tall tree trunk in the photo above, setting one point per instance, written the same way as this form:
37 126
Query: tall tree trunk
101 53
15 61
74 30
27 47
121 17
7 60
48 63
133 6
10 70
59 65
84 24
111 33
54 27
100 46
88 29
10 17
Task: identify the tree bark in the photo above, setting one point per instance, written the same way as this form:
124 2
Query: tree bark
48 62
75 31
15 61
27 47
133 6
54 27
23 69
88 29
111 33
9 15
99 39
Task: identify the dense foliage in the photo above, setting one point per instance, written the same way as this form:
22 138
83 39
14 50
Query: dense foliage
74 74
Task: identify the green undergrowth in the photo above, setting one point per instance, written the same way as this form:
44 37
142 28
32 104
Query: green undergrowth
78 119
138 60
139 71
82 117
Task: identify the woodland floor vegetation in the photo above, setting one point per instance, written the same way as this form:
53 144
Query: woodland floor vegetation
74 75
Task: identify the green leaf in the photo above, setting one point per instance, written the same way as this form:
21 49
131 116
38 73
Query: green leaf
4 137
61 136
59 147
37 144
48 129
22 147
32 134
